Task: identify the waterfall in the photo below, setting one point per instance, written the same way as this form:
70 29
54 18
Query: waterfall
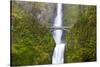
58 54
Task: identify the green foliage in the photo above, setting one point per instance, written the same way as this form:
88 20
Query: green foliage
81 39
32 43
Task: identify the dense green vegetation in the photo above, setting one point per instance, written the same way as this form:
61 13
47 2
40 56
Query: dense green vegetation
81 39
32 41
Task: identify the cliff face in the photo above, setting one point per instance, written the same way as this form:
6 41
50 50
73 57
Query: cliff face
43 12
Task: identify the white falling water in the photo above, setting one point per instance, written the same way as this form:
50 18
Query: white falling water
58 54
